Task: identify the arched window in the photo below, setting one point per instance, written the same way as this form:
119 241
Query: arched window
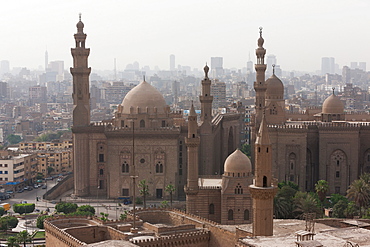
246 214
238 189
161 168
125 167
157 168
101 172
211 208
230 214
264 181
163 123
142 123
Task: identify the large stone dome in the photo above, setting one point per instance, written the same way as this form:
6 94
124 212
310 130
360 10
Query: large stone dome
237 162
144 96
333 105
275 88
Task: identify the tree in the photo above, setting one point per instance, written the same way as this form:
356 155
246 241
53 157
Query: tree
290 184
50 169
40 221
2 211
359 192
170 189
8 222
339 209
307 203
321 188
66 207
144 190
104 217
14 139
283 201
12 242
124 215
24 208
86 208
335 198
246 149
24 237
164 204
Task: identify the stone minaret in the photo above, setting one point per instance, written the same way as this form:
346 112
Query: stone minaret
81 113
206 98
80 73
260 85
192 143
206 160
262 190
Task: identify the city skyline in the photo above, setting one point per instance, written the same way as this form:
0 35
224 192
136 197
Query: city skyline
194 32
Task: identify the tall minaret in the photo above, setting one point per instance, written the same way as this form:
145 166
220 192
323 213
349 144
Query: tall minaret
206 98
81 114
262 190
192 143
80 73
260 85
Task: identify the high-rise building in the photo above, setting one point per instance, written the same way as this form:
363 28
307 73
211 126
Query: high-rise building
4 67
46 60
327 65
172 62
217 66
271 60
362 65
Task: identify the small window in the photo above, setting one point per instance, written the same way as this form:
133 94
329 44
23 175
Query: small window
337 190
125 192
101 172
101 157
163 123
230 214
142 123
337 162
264 181
246 214
211 208
142 161
337 174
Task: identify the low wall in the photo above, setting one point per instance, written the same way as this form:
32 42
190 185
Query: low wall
59 189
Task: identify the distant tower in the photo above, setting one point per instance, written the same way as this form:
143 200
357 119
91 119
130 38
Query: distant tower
262 190
206 99
259 85
80 73
46 60
81 113
192 142
172 62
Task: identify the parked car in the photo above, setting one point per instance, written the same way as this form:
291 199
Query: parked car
20 190
26 188
9 192
49 178
44 186
36 186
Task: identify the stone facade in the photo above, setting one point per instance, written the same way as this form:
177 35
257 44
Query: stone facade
144 139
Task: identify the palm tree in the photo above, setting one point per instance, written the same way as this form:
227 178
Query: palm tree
321 188
12 242
282 207
144 190
307 203
24 237
170 189
359 192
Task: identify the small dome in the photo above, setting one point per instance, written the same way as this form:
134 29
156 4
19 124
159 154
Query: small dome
142 96
237 162
275 87
333 105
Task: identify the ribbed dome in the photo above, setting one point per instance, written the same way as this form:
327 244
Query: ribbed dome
275 88
144 95
237 162
333 105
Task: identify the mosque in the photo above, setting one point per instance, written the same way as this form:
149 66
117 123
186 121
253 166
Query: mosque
144 140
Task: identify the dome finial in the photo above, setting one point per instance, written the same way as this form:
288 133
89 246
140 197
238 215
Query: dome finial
333 90
206 69
261 31
79 16
273 69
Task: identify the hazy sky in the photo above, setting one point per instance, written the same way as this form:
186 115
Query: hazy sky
298 32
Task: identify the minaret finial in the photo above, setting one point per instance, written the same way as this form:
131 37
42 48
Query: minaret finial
79 16
144 77
273 69
333 90
261 31
206 69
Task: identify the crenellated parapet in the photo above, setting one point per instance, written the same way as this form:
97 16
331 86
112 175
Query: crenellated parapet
180 239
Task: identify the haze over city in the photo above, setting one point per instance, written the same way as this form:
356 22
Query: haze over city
299 33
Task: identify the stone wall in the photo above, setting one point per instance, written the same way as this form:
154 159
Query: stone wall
59 189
